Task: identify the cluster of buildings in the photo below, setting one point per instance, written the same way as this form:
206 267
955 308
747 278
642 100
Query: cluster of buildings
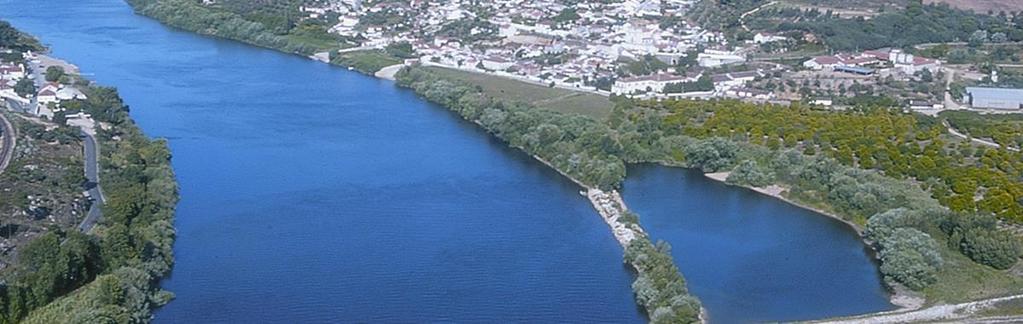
587 46
868 62
582 46
48 95
10 74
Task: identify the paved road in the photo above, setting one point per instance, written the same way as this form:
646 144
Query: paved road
957 313
9 141
92 174
956 133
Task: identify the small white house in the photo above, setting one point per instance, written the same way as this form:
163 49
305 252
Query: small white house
47 96
648 83
12 71
763 38
69 93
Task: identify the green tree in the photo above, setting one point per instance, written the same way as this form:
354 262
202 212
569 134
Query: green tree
54 73
25 88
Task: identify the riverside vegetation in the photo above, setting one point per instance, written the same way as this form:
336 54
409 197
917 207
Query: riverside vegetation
891 172
274 26
111 273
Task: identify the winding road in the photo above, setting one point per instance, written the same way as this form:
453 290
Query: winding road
956 133
9 137
92 174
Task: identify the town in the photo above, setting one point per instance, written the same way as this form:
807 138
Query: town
647 49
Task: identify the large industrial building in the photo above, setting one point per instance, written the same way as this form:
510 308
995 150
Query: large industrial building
996 98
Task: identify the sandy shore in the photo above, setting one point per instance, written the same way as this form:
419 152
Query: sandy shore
387 73
777 191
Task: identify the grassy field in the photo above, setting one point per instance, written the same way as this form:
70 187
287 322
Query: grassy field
560 100
369 61
961 280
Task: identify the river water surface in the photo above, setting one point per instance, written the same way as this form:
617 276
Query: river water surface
313 194
753 258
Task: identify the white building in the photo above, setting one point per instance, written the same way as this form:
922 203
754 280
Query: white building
69 93
47 96
715 58
12 71
761 38
654 83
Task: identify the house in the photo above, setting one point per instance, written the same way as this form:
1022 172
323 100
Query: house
908 63
821 62
830 62
763 38
47 96
924 105
918 64
714 58
648 83
725 81
69 93
12 71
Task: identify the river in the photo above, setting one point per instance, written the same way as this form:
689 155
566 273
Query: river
313 194
310 193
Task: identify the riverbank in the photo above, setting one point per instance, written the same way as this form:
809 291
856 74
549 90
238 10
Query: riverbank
778 192
70 273
388 72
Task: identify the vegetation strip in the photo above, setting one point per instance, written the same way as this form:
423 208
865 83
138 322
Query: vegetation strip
112 273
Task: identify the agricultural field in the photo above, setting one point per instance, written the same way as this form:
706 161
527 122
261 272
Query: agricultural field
848 9
983 6
560 100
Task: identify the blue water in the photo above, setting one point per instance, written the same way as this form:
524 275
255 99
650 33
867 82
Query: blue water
314 194
752 258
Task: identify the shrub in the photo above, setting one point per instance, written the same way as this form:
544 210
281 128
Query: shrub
882 225
748 172
910 257
995 248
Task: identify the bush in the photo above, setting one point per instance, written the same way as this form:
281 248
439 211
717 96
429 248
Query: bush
883 225
997 249
711 155
910 257
978 237
750 174
659 286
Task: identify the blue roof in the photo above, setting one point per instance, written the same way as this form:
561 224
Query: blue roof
1006 94
854 69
